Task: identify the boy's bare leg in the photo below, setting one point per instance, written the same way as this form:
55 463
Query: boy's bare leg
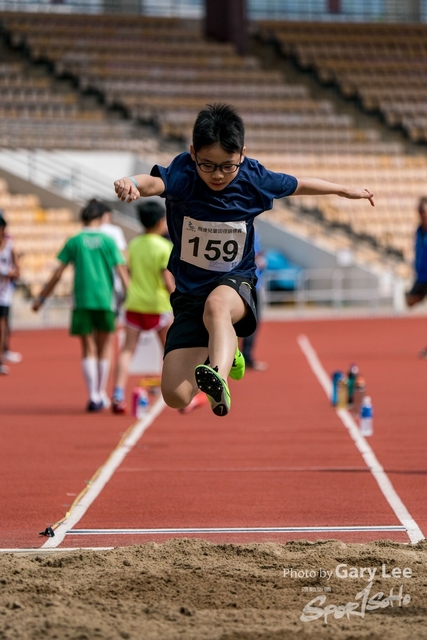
103 341
223 308
4 369
178 381
125 356
88 346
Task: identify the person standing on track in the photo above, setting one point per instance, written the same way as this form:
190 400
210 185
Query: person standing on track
9 355
147 303
94 256
116 233
9 270
213 194
419 288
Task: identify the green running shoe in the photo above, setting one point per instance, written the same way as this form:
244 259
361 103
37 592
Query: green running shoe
210 382
237 370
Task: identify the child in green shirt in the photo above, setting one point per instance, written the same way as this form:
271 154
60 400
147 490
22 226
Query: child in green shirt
94 256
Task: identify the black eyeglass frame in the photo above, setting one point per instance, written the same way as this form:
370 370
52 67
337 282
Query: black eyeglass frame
219 166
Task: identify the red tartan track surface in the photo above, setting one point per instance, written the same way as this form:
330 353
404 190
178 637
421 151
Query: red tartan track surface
282 459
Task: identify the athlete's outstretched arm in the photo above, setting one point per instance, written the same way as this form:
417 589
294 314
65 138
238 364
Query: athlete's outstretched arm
129 189
318 187
49 286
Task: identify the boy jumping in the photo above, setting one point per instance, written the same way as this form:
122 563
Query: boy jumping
213 193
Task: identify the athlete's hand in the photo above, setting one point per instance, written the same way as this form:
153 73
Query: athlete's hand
357 194
126 190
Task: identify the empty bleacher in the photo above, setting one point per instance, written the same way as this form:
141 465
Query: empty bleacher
384 66
396 181
34 115
38 234
38 112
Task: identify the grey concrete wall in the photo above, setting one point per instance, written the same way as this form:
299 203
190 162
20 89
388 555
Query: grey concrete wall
296 249
301 251
123 218
47 198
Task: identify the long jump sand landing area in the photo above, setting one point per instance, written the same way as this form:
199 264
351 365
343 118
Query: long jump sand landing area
284 467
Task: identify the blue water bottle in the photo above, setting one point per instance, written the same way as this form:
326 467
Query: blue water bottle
336 377
366 417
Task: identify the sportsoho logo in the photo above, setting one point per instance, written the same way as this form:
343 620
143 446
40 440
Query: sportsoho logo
365 600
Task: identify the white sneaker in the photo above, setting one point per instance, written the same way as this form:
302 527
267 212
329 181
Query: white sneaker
4 370
12 356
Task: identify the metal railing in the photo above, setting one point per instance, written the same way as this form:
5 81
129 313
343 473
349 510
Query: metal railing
52 171
328 10
335 287
54 314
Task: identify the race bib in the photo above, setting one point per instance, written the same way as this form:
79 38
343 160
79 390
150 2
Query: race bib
215 246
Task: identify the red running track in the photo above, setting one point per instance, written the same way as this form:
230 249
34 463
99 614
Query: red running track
282 458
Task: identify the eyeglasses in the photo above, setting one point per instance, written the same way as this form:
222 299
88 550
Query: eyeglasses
211 167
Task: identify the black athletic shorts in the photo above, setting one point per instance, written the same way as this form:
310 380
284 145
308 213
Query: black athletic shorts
419 289
188 329
4 311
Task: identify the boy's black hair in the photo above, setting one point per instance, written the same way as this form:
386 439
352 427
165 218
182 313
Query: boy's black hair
94 209
150 213
219 124
3 222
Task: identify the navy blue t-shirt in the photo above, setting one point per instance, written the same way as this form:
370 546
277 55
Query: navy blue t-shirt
212 231
421 255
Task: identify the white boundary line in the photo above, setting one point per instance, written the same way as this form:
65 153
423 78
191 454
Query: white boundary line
41 551
105 474
142 532
242 469
414 532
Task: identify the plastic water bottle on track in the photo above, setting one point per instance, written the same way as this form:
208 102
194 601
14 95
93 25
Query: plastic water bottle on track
366 417
142 403
336 376
342 393
352 376
359 394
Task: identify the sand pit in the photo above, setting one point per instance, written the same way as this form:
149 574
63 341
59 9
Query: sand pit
197 590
